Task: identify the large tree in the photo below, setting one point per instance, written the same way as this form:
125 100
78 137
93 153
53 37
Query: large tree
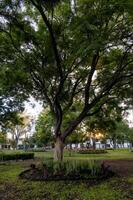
75 56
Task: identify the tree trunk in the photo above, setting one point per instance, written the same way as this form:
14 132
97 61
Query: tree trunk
94 144
105 144
58 150
114 143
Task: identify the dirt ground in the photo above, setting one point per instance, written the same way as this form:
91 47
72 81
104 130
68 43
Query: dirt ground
122 167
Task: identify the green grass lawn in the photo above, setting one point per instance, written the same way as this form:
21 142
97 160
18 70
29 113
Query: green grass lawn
112 154
12 188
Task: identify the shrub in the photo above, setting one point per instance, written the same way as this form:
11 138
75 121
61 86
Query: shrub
37 150
16 156
92 151
74 169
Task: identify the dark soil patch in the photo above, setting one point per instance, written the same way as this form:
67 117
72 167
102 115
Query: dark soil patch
121 167
37 175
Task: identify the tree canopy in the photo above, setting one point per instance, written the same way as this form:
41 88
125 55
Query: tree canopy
74 56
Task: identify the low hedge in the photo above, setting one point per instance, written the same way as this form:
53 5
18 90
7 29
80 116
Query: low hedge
92 151
110 149
36 150
16 156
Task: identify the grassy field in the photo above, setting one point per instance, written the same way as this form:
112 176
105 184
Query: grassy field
12 188
112 154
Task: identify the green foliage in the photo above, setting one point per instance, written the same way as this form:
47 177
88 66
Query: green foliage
74 58
3 138
17 127
124 132
16 156
45 125
77 169
43 129
77 136
121 132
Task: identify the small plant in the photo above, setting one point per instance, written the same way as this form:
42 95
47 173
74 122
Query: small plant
74 169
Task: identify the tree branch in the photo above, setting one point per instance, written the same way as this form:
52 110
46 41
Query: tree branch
57 106
41 84
72 94
88 84
115 79
53 40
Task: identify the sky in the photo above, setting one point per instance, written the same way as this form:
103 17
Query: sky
33 108
130 118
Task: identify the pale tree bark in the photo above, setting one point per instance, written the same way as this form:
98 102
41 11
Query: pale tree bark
58 149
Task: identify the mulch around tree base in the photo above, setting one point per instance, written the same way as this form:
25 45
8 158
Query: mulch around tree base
36 174
121 168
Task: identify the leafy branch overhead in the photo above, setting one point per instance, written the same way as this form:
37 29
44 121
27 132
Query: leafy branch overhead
75 57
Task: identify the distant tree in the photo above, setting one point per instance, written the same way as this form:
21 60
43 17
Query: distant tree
43 129
78 136
11 97
74 57
99 126
129 136
3 138
18 129
120 133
